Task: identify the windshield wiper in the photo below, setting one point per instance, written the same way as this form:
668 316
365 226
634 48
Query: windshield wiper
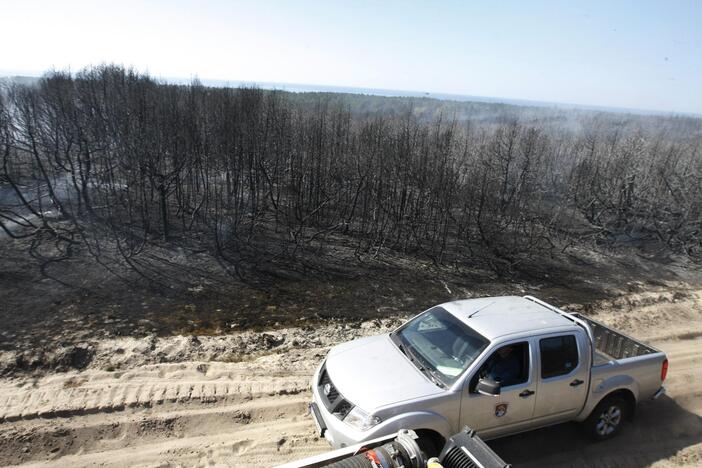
431 374
435 378
410 355
422 368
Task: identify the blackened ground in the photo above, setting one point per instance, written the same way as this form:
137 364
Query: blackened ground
77 300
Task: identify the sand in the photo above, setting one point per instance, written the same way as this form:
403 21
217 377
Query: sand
241 399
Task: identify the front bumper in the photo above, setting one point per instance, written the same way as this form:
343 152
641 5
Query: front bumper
318 420
334 430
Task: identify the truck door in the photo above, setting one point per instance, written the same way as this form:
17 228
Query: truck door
564 370
513 408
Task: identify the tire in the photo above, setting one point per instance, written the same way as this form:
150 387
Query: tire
607 419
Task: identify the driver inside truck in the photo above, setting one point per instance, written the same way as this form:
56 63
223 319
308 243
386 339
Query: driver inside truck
504 366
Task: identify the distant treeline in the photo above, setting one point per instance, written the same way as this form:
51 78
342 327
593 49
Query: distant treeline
116 162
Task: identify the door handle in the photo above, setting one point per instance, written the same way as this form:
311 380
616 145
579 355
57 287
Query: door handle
576 382
526 393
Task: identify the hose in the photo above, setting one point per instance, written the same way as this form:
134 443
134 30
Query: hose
401 452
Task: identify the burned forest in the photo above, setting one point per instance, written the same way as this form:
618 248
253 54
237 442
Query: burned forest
121 166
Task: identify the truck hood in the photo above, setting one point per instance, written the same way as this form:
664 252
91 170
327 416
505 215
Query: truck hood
371 372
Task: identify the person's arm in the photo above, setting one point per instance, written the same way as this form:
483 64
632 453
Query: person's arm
495 371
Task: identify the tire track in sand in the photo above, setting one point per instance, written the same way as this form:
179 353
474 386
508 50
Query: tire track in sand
254 413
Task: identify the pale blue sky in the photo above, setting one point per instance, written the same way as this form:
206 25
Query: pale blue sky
634 54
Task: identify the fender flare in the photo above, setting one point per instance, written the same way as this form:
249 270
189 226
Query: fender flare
417 420
606 387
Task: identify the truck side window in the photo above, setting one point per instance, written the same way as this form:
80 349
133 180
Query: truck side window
559 355
508 365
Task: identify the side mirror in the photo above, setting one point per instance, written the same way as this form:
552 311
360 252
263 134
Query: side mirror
488 387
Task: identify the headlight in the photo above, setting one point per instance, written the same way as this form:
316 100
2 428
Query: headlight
361 420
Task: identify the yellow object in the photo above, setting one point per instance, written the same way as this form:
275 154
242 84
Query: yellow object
433 462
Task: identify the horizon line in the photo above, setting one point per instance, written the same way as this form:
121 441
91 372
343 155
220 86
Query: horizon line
382 92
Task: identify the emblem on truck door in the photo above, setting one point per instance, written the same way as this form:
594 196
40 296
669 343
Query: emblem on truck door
501 409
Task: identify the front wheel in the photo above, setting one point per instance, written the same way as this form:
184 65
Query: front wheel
607 418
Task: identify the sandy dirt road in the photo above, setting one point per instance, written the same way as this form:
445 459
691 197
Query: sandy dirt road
254 412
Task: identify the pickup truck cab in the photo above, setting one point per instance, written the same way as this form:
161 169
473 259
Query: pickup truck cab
500 365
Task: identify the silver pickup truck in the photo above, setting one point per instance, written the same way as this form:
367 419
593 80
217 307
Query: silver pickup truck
500 365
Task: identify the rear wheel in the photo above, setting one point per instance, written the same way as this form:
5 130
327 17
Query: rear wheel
607 418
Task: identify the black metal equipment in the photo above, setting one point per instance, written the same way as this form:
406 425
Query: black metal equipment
467 450
402 452
463 450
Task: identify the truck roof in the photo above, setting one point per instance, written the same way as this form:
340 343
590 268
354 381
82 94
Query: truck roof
493 317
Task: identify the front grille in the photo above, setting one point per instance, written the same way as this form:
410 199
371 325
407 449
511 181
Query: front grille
333 401
323 382
342 409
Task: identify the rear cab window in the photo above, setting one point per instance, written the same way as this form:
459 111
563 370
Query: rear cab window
559 355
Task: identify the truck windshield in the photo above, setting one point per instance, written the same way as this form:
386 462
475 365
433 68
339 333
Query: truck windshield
439 343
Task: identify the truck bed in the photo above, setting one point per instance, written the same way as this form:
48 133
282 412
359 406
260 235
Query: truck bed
612 345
